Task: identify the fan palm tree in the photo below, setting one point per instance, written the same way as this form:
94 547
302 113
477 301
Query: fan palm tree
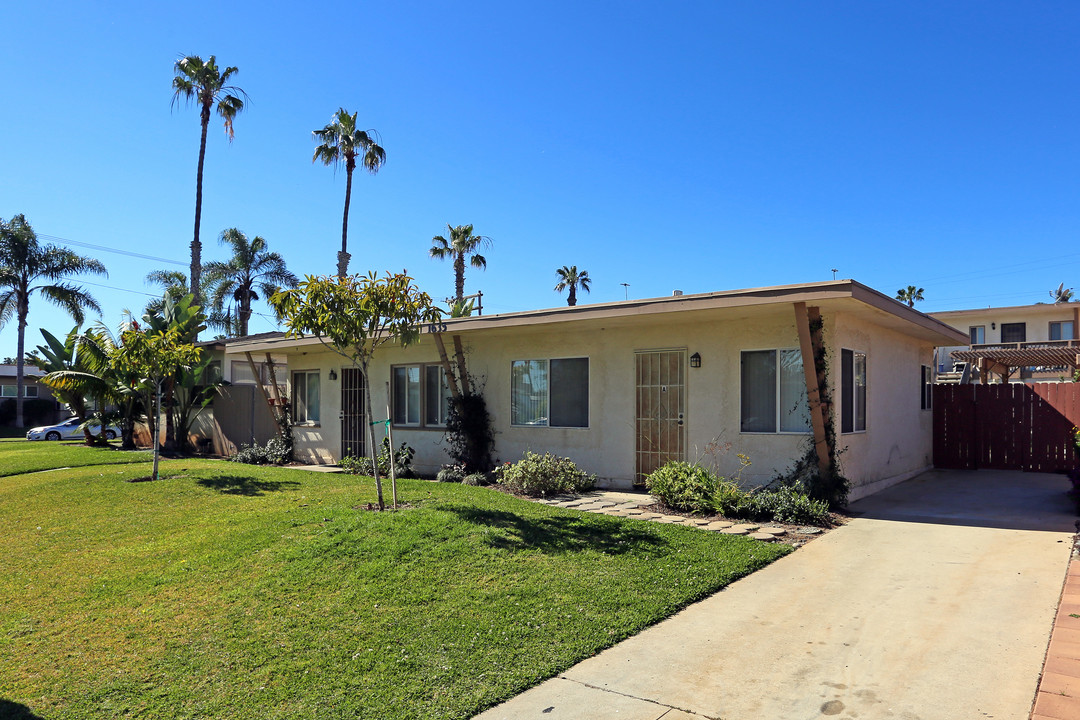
341 142
462 244
910 295
252 267
570 277
27 268
204 83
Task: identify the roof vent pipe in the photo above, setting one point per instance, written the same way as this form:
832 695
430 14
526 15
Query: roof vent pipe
676 293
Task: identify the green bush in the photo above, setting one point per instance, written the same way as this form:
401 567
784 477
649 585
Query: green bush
356 466
685 486
362 465
476 479
251 455
451 473
540 475
786 504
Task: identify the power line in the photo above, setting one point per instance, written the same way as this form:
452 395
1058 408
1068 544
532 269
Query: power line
103 248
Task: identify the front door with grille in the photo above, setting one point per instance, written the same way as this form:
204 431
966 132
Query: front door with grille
353 426
661 410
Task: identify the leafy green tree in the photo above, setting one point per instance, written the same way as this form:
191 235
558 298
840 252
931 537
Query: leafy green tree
188 321
341 142
26 268
194 389
354 316
155 356
251 268
207 85
461 245
62 356
570 277
910 295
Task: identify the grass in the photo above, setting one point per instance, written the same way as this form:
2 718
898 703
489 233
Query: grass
233 591
23 456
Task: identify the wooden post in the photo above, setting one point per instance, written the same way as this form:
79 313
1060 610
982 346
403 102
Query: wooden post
258 381
390 434
813 387
460 355
450 378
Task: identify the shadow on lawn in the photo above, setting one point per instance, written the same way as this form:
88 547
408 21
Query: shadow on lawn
242 485
16 711
559 534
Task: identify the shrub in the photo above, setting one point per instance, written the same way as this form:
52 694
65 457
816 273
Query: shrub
786 504
684 486
356 466
451 473
540 475
251 455
468 432
278 451
476 479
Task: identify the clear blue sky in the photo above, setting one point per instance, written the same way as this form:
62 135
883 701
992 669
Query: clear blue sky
699 146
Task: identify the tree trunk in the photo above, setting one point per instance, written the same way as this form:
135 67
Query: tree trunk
571 299
20 361
196 246
459 276
343 256
244 312
171 443
371 436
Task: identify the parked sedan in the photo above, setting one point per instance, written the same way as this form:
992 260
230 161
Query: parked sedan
67 430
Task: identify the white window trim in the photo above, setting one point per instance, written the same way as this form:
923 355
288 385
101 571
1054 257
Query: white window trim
423 424
926 388
588 418
778 431
866 411
292 378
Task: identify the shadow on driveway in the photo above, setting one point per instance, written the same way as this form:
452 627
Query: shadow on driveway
1006 499
559 534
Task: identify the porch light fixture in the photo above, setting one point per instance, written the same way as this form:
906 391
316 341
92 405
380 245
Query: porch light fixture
695 360
333 374
993 326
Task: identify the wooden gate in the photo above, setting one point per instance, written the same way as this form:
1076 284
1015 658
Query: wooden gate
1013 426
661 408
353 425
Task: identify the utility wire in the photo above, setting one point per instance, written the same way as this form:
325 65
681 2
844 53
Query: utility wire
103 248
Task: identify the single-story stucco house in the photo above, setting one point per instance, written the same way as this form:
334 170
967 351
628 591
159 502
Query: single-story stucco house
622 387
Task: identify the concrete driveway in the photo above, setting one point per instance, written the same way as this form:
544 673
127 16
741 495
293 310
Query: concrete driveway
936 601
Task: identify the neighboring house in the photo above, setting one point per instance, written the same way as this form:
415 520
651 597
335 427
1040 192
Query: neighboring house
32 390
1024 342
622 387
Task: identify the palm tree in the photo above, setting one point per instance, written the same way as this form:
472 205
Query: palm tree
1062 294
462 243
23 262
570 277
910 295
250 268
342 142
173 283
206 85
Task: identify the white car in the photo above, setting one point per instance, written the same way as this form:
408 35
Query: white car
67 430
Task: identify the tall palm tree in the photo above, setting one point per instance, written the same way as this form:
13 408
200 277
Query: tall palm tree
570 277
204 83
910 295
174 284
252 267
342 142
462 243
27 268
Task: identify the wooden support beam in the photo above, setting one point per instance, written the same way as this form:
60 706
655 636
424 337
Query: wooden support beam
463 376
450 375
258 381
813 386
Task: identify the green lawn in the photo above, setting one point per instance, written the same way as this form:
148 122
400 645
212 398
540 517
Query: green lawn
230 591
19 456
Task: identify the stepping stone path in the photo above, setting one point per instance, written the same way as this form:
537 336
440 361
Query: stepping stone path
615 508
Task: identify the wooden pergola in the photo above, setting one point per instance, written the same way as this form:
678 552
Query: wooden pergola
1005 359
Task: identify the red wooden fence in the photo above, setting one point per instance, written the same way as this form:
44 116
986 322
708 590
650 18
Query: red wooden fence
1014 426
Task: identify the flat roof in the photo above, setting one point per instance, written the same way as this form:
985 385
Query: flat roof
828 295
1008 308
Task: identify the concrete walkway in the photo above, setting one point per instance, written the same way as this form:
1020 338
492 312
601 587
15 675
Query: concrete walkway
936 601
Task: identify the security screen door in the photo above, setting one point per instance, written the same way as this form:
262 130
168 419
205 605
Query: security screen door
661 410
352 412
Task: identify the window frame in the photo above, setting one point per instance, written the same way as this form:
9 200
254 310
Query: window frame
423 424
306 421
1013 326
927 388
1059 323
548 361
971 334
777 403
854 416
